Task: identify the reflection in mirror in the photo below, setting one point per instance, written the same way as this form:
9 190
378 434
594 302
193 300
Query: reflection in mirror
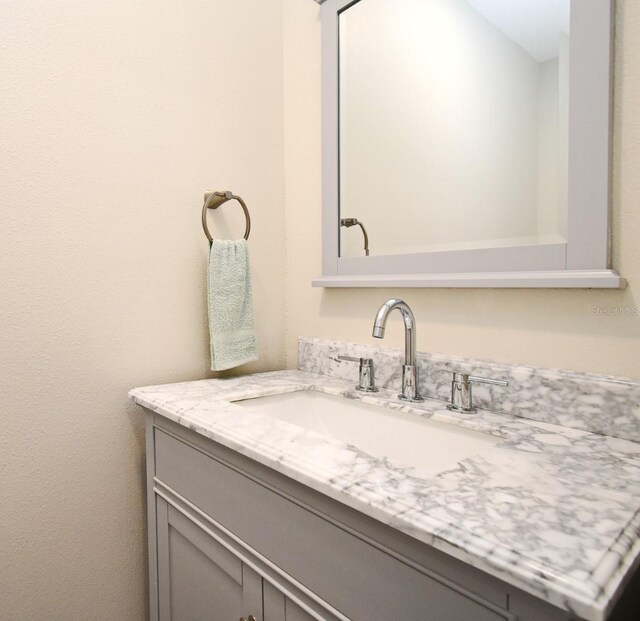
453 125
349 222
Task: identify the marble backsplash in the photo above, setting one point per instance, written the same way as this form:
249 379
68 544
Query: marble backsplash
595 403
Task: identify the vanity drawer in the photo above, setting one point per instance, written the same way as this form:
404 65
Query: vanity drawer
352 575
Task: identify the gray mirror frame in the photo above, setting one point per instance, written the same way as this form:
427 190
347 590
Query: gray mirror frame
583 262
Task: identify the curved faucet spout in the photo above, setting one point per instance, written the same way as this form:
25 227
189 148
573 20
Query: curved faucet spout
380 324
409 369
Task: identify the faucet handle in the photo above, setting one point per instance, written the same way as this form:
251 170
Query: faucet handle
352 358
366 381
461 395
474 379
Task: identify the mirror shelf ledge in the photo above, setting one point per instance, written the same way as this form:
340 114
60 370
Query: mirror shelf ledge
555 279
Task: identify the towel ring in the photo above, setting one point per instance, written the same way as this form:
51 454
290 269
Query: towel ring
213 200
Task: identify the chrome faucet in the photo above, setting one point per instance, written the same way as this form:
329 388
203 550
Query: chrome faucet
366 378
409 368
461 395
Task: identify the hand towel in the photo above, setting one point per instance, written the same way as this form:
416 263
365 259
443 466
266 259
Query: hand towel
231 329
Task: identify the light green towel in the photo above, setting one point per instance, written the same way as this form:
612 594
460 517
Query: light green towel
231 330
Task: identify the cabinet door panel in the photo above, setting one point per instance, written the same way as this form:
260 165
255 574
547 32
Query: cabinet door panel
278 607
293 612
200 580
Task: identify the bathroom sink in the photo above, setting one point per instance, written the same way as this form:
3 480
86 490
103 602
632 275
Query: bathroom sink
421 444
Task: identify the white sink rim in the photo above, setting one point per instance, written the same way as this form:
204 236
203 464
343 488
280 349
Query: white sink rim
419 445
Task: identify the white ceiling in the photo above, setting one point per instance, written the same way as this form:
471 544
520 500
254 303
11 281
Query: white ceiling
535 25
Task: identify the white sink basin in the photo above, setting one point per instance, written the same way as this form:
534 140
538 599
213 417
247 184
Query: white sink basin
424 445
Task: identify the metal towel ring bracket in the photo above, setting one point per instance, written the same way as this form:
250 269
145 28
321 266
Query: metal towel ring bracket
213 200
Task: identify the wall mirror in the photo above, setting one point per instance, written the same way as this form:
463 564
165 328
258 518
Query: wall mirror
466 143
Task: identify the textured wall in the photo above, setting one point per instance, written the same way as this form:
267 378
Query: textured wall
537 327
115 117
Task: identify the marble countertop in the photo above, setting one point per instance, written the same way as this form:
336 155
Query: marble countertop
549 509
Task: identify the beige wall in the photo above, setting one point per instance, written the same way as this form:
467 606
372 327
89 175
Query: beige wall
114 118
545 328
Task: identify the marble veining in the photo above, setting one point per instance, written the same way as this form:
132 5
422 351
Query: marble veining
552 510
596 403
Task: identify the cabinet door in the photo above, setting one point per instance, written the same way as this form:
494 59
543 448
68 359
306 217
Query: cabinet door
198 578
278 607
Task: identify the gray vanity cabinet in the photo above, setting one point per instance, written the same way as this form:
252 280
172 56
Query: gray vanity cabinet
230 538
